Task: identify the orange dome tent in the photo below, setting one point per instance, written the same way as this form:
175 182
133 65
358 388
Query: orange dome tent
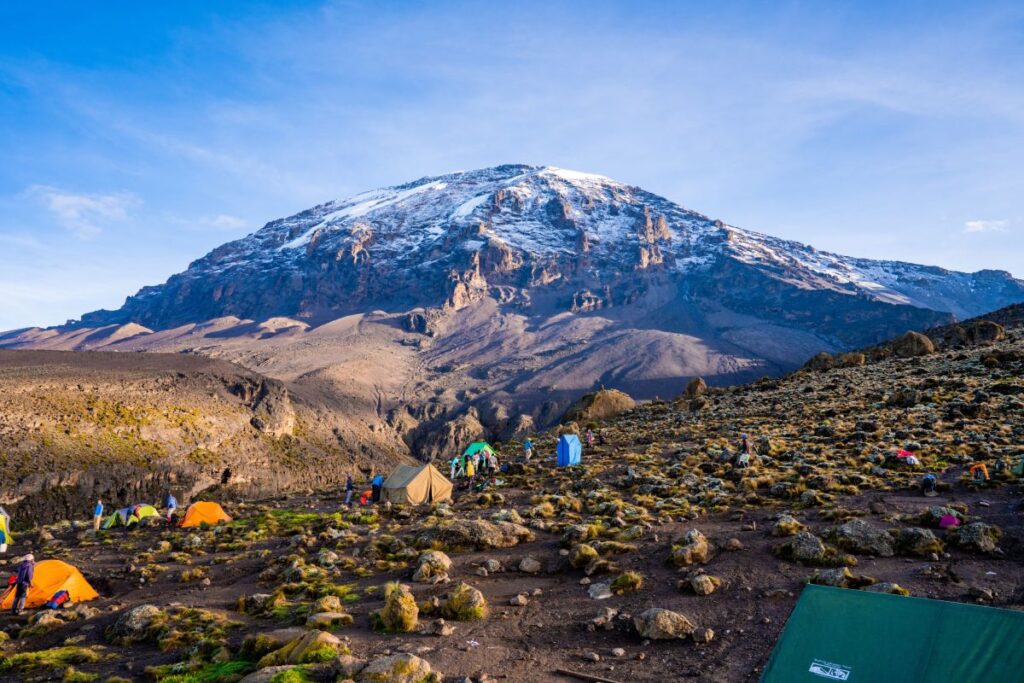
52 576
204 513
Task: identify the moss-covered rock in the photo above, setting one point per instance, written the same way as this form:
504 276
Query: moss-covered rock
693 548
400 613
465 603
399 668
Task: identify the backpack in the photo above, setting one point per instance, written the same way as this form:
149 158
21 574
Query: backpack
58 600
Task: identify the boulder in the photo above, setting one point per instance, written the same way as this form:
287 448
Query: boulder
325 621
311 646
857 536
696 387
787 525
912 344
918 542
478 534
599 405
432 567
978 536
465 603
704 584
820 362
694 547
530 565
840 577
807 549
399 668
136 625
400 614
662 624
267 675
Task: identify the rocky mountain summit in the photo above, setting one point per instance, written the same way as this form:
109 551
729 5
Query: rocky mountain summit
541 238
485 302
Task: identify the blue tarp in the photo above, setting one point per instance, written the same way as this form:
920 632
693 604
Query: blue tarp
569 450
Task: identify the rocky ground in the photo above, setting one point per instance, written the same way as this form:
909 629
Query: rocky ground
654 560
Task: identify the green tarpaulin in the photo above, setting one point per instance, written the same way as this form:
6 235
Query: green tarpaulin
838 634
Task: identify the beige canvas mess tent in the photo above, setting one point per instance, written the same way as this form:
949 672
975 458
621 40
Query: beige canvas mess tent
416 484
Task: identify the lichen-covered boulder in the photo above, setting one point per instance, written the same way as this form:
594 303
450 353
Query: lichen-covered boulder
310 647
912 344
662 624
918 542
692 548
465 603
136 625
399 668
787 525
432 567
807 549
704 584
858 536
400 614
479 534
978 536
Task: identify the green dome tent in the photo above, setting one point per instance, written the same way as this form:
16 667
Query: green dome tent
478 446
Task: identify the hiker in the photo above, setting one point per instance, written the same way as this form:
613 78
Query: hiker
928 485
590 438
746 446
454 467
172 507
470 469
349 489
375 484
742 460
97 515
22 582
979 472
528 449
600 438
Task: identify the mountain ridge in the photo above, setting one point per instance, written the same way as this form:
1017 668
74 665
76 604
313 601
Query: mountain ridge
483 303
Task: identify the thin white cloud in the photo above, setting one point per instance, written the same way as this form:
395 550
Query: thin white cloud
223 221
84 214
985 226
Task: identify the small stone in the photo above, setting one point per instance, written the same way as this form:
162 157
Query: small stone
585 581
529 565
618 652
703 635
592 657
519 601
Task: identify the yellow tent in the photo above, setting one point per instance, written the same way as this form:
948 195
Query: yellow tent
204 513
412 484
145 511
52 576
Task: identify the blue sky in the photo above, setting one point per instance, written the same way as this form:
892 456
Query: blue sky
136 136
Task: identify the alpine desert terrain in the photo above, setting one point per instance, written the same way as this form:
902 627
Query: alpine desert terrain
657 558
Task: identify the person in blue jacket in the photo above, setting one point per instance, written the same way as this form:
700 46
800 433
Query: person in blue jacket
376 483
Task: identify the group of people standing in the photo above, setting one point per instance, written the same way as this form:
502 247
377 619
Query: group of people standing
483 463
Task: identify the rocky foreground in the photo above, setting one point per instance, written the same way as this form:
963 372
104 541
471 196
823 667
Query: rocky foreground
655 560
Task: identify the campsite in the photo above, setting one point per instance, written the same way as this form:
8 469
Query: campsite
558 564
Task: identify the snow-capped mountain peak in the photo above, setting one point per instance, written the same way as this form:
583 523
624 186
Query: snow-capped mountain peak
530 233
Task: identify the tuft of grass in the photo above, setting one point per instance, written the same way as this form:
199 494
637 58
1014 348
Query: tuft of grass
57 658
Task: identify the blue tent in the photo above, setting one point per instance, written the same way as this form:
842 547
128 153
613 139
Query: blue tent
569 450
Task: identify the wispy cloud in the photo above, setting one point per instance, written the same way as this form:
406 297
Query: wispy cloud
985 226
84 215
223 221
